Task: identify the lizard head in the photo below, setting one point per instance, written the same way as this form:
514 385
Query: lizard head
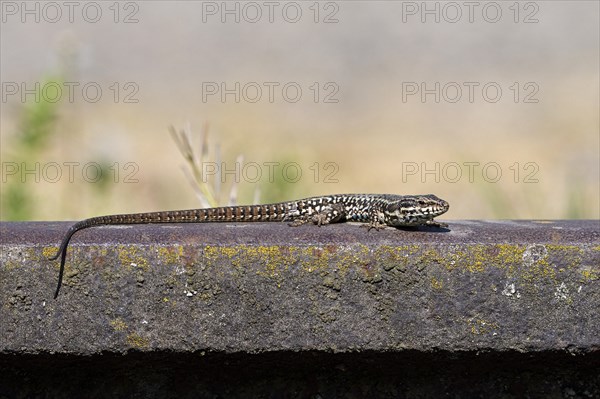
414 210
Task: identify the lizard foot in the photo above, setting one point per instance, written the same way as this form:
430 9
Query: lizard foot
298 222
374 225
433 223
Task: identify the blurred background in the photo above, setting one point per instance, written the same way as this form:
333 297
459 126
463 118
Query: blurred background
493 106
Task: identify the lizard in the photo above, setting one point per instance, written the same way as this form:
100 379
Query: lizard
374 210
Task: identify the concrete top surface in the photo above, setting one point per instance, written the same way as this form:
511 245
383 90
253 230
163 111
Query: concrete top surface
459 231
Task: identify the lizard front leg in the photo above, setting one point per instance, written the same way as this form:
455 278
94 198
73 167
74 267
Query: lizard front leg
375 223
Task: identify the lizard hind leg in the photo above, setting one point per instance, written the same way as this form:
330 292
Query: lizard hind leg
329 214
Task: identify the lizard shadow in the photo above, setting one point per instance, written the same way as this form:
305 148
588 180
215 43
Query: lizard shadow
428 229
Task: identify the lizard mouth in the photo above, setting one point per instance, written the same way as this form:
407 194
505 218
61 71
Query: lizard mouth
441 208
433 211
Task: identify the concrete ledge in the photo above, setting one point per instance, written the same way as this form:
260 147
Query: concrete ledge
228 290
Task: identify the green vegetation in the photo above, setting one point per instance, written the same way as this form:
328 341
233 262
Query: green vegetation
37 126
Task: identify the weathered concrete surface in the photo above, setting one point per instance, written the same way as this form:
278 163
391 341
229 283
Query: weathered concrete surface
510 289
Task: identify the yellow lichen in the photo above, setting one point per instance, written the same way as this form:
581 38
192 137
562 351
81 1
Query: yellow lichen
170 254
570 255
436 284
589 274
527 262
118 324
137 341
480 326
476 258
49 252
538 270
480 257
133 256
270 258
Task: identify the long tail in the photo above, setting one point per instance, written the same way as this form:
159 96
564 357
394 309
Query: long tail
273 212
62 250
135 218
191 215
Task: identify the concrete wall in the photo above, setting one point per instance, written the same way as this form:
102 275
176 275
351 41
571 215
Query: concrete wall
491 309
